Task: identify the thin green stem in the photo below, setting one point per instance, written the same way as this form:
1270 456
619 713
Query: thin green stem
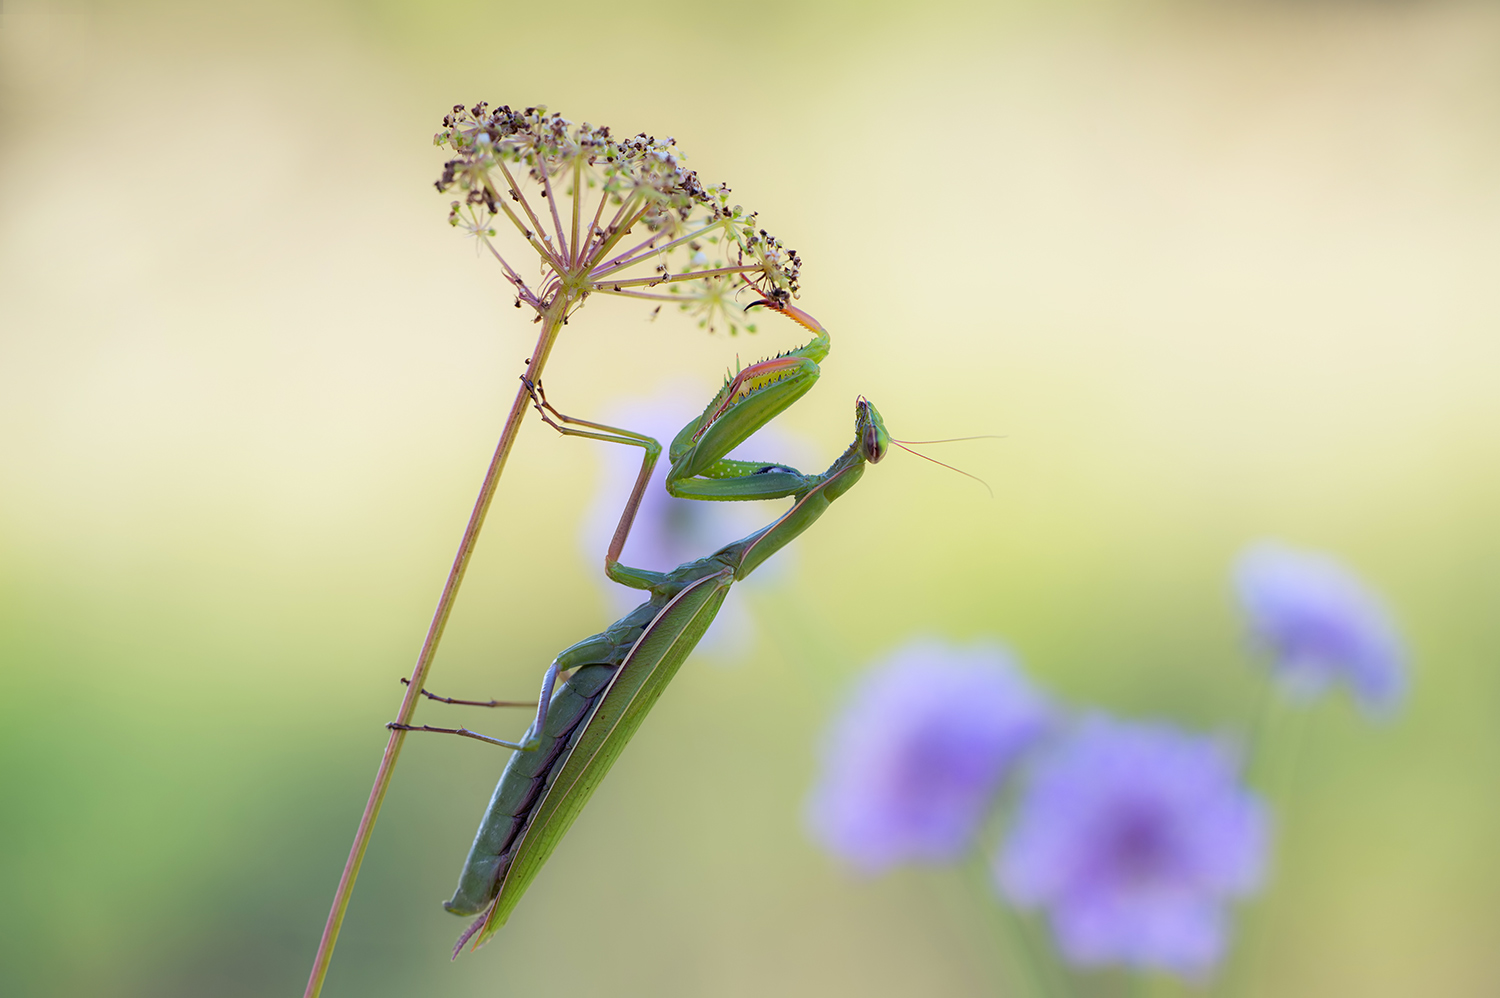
1020 958
1278 738
1262 719
1060 979
551 324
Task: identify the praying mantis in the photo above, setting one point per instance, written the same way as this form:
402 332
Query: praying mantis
616 676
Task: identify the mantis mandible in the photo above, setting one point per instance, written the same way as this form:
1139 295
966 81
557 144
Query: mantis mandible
617 675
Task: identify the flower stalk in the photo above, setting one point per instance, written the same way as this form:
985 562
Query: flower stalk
424 658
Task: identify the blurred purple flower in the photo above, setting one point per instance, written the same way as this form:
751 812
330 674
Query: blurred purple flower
1134 837
1321 624
668 531
918 756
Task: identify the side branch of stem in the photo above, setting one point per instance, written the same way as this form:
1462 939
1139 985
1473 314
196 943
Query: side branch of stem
647 295
623 222
531 237
510 272
647 282
562 240
577 208
538 230
645 251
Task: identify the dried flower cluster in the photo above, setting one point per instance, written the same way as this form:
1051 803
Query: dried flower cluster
607 215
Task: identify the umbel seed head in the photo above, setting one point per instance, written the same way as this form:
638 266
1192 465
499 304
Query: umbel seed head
607 215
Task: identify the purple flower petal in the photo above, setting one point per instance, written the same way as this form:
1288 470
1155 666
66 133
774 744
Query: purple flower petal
1133 837
1321 625
916 759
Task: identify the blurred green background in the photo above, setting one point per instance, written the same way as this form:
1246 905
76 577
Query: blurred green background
1219 270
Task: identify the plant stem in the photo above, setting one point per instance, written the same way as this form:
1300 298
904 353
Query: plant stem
551 323
1280 736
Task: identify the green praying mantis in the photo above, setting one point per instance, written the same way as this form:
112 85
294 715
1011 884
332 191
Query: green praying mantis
614 677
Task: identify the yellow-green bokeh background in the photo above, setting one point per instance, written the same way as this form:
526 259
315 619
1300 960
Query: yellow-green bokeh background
1219 270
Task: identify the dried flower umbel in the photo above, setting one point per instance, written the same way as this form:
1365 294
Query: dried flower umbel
606 216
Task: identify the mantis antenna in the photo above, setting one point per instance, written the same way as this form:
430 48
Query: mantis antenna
950 440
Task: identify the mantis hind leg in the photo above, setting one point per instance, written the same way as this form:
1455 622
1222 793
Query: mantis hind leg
472 703
591 651
462 732
465 732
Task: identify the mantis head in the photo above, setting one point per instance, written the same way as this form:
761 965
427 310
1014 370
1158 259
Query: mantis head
870 429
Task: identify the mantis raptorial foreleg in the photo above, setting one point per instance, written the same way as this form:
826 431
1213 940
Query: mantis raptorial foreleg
609 434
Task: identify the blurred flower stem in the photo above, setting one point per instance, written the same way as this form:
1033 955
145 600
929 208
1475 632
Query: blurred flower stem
721 250
1279 734
1029 965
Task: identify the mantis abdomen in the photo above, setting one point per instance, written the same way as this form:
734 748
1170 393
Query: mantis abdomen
522 786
